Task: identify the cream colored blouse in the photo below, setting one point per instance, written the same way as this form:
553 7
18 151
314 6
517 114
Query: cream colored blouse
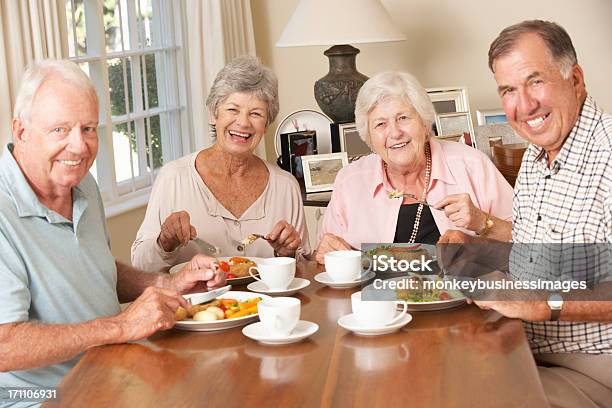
179 187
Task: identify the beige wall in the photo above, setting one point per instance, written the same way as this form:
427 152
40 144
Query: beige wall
447 45
122 230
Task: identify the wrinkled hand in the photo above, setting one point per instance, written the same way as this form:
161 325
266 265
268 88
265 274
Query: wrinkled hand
450 250
461 254
176 231
152 311
198 275
284 238
462 212
536 310
330 242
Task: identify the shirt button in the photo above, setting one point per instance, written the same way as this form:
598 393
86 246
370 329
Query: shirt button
237 223
547 177
539 218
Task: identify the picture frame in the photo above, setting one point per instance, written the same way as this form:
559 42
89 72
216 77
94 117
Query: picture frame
449 99
490 116
293 146
456 126
320 170
345 138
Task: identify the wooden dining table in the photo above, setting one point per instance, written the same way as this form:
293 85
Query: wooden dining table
463 357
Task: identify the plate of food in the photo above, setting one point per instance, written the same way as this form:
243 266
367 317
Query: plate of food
236 267
398 251
231 309
420 292
423 294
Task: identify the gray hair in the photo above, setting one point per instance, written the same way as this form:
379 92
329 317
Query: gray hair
554 36
245 74
40 71
392 84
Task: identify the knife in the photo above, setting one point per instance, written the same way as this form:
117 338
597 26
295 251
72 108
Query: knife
198 298
205 246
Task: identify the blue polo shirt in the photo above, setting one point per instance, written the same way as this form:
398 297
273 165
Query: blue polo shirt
52 270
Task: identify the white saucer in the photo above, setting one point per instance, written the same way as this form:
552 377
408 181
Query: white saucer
325 279
258 332
349 322
294 287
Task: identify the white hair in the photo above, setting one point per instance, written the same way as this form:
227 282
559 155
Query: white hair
38 72
391 84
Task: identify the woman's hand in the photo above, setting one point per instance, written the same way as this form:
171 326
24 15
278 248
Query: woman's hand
284 238
176 231
462 212
330 242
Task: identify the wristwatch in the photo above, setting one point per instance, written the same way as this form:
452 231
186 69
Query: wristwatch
488 225
555 303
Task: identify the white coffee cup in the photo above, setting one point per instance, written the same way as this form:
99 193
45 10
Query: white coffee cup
275 273
343 266
279 315
376 313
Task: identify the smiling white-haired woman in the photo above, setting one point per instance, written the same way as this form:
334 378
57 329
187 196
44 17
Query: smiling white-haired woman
224 193
394 116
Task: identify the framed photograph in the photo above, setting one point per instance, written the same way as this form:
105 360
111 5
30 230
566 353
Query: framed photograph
293 146
491 116
320 170
345 138
449 99
456 126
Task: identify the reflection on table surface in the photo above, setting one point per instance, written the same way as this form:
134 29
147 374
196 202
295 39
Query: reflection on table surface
459 357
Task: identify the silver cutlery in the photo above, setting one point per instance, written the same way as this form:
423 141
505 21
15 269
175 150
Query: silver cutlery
199 298
205 246
398 195
252 238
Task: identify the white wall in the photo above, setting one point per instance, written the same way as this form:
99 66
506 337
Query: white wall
447 45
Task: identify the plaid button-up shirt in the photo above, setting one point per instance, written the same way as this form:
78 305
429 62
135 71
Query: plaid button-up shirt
569 201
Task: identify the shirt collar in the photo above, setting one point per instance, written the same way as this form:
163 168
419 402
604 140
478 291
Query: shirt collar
439 170
25 200
571 155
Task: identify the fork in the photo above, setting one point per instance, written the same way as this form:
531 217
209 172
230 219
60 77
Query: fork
398 195
252 238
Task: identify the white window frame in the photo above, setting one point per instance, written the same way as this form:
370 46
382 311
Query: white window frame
170 66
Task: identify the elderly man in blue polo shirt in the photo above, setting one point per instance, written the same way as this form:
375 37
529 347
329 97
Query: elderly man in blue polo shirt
60 286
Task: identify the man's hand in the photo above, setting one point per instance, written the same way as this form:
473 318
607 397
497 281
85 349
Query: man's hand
536 310
284 238
175 231
466 255
462 212
152 311
330 242
199 275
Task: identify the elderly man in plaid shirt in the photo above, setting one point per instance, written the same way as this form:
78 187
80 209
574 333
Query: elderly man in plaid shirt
563 195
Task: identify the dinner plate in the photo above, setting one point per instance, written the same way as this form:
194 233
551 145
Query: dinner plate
257 331
295 286
350 322
457 298
431 249
325 279
306 119
233 281
195 325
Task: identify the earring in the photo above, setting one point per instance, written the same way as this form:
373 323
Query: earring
212 129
